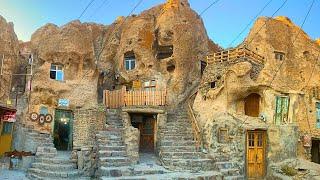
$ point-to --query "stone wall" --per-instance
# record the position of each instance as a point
(86, 123)
(232, 148)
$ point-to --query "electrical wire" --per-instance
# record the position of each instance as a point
(85, 9)
(97, 9)
(252, 20)
(282, 5)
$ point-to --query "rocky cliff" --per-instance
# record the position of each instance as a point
(9, 50)
(168, 41)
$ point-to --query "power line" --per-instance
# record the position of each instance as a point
(104, 46)
(213, 3)
(85, 9)
(97, 9)
(252, 20)
(267, 21)
(304, 20)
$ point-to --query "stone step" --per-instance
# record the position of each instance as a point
(46, 154)
(109, 137)
(177, 143)
(114, 164)
(130, 171)
(54, 167)
(40, 177)
(234, 177)
(111, 148)
(106, 133)
(177, 138)
(52, 160)
(230, 172)
(178, 148)
(189, 164)
(112, 153)
(103, 143)
(59, 174)
(211, 175)
(224, 165)
(114, 161)
(182, 155)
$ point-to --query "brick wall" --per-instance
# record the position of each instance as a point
(87, 122)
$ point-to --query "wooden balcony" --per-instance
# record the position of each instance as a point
(122, 98)
(233, 54)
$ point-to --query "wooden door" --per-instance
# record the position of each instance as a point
(63, 130)
(252, 105)
(256, 143)
(147, 135)
(315, 151)
(5, 137)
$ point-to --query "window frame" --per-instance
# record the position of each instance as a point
(223, 132)
(281, 115)
(278, 55)
(131, 62)
(318, 115)
(152, 85)
(58, 71)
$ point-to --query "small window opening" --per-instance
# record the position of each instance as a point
(279, 55)
(213, 84)
(223, 135)
(129, 61)
(171, 68)
(56, 72)
(150, 85)
(203, 66)
(164, 52)
(44, 110)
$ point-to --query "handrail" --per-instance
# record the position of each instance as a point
(233, 54)
(195, 127)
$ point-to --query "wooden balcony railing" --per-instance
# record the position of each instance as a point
(120, 98)
(233, 54)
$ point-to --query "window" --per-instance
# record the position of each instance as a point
(279, 55)
(150, 85)
(203, 66)
(318, 115)
(44, 110)
(56, 72)
(7, 128)
(213, 84)
(164, 52)
(282, 109)
(223, 135)
(129, 61)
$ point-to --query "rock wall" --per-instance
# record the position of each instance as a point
(9, 55)
(168, 44)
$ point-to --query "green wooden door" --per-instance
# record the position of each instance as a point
(63, 125)
(282, 109)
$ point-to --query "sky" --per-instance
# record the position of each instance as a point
(223, 21)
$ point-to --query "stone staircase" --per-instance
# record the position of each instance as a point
(229, 171)
(111, 149)
(28, 139)
(52, 165)
(177, 147)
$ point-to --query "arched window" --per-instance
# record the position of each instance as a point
(252, 105)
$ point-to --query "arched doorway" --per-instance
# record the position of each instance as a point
(252, 105)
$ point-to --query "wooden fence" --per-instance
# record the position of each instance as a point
(120, 98)
(233, 54)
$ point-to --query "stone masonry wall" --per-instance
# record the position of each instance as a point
(86, 123)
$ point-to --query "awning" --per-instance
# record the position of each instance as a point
(7, 114)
